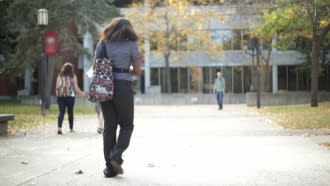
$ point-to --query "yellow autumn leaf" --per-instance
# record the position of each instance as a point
(324, 22)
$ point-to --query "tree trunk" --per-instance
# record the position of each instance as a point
(315, 71)
(167, 74)
(266, 78)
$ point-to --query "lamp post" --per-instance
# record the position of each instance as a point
(254, 42)
(42, 22)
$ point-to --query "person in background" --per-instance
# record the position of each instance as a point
(219, 88)
(98, 108)
(100, 118)
(66, 89)
(120, 41)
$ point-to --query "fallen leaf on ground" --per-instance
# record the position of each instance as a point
(79, 172)
(326, 145)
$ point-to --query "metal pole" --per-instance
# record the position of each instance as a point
(47, 86)
(43, 76)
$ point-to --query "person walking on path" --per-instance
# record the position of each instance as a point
(219, 88)
(66, 89)
(100, 119)
(120, 41)
(98, 108)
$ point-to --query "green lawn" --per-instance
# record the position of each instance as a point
(28, 116)
(299, 116)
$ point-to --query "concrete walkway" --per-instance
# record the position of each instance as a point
(171, 145)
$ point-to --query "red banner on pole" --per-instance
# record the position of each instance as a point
(50, 43)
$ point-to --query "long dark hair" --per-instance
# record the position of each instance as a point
(67, 70)
(119, 29)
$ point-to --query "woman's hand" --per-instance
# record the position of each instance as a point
(76, 87)
(81, 93)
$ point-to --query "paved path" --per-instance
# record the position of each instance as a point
(171, 145)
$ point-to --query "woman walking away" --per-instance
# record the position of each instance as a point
(120, 41)
(66, 87)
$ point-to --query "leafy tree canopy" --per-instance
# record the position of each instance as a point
(289, 20)
(20, 34)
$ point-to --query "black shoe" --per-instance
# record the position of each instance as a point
(59, 131)
(109, 173)
(116, 167)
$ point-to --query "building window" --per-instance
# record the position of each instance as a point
(238, 72)
(154, 76)
(303, 81)
(227, 73)
(181, 42)
(174, 80)
(236, 39)
(222, 37)
(207, 81)
(282, 78)
(247, 78)
(292, 78)
(195, 79)
(229, 39)
(226, 40)
(184, 80)
(323, 78)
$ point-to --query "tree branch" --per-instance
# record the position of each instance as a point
(324, 32)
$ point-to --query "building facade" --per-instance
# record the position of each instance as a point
(193, 70)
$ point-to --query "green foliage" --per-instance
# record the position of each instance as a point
(22, 33)
(292, 19)
(285, 23)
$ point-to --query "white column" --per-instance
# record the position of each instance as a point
(87, 61)
(275, 68)
(147, 52)
(146, 63)
(275, 76)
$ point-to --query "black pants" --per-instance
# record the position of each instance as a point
(63, 103)
(118, 111)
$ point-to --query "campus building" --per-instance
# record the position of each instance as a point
(193, 70)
